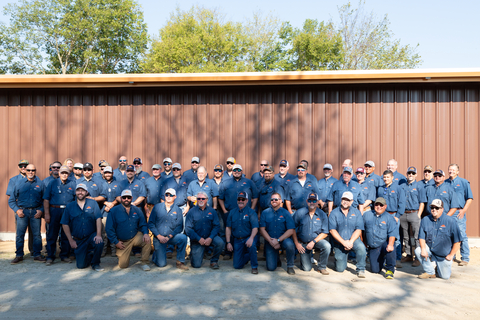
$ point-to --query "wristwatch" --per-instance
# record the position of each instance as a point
(314, 241)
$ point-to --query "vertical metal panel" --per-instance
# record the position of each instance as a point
(416, 124)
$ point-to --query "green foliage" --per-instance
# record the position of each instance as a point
(369, 44)
(73, 36)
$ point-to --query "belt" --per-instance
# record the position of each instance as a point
(126, 240)
(241, 238)
(29, 208)
(392, 212)
(78, 239)
(58, 207)
(410, 211)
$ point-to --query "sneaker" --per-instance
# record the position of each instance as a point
(399, 264)
(71, 258)
(169, 255)
(145, 267)
(416, 263)
(463, 263)
(98, 268)
(407, 259)
(227, 257)
(181, 266)
(389, 275)
(66, 260)
(313, 261)
(49, 262)
(254, 270)
(361, 274)
(427, 276)
(113, 254)
(16, 260)
(39, 259)
(290, 271)
(214, 265)
(323, 271)
(138, 255)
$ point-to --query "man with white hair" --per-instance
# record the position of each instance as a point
(399, 178)
(283, 176)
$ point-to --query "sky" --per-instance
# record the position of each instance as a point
(447, 31)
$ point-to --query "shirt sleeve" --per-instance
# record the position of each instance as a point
(254, 190)
(142, 224)
(216, 225)
(47, 195)
(143, 191)
(189, 227)
(332, 221)
(152, 220)
(110, 228)
(468, 190)
(96, 210)
(221, 190)
(12, 201)
(253, 219)
(289, 220)
(65, 217)
(359, 225)
(401, 202)
(392, 228)
(421, 231)
(229, 218)
(324, 218)
(262, 223)
(179, 222)
(190, 190)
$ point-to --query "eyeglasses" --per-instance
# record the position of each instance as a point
(263, 165)
(176, 169)
(77, 169)
(136, 163)
(126, 197)
(274, 199)
(64, 172)
(300, 170)
(345, 199)
(228, 162)
(155, 169)
(282, 166)
(312, 201)
(435, 208)
(218, 170)
(201, 199)
(411, 173)
(237, 170)
(241, 199)
(195, 162)
(359, 173)
(379, 205)
(427, 171)
(55, 168)
(437, 175)
(31, 170)
(167, 163)
(169, 195)
(86, 169)
(122, 160)
(23, 166)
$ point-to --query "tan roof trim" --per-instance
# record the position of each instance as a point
(240, 78)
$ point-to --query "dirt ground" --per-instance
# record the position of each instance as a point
(34, 291)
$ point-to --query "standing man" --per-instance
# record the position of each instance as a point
(442, 191)
(369, 192)
(120, 173)
(266, 188)
(166, 224)
(277, 227)
(95, 189)
(439, 238)
(398, 178)
(54, 167)
(180, 185)
(26, 201)
(153, 185)
(126, 227)
(465, 198)
(229, 163)
(381, 231)
(325, 185)
(348, 163)
(346, 225)
(135, 185)
(82, 224)
(102, 164)
(258, 176)
(202, 228)
(334, 198)
(22, 168)
(205, 185)
(242, 224)
(77, 172)
(283, 176)
(167, 168)
(412, 216)
(139, 173)
(298, 189)
(58, 195)
(111, 188)
(427, 179)
(192, 174)
(370, 176)
(311, 231)
(218, 177)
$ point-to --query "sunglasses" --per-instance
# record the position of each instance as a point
(275, 199)
(263, 165)
(359, 172)
(237, 170)
(122, 160)
(283, 166)
(345, 199)
(241, 199)
(136, 163)
(437, 175)
(411, 173)
(435, 208)
(201, 199)
(169, 195)
(31, 170)
(167, 163)
(126, 197)
(155, 169)
(379, 205)
(300, 170)
(176, 169)
(63, 172)
(77, 168)
(56, 168)
(229, 162)
(23, 166)
(427, 171)
(87, 169)
(195, 162)
(312, 201)
(218, 170)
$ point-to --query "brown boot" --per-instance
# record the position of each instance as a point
(16, 260)
(426, 276)
(181, 266)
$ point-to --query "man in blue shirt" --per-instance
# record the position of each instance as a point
(27, 203)
(268, 186)
(283, 176)
(177, 182)
(95, 190)
(465, 198)
(54, 167)
(334, 199)
(202, 227)
(398, 178)
(192, 173)
(77, 172)
(370, 176)
(126, 227)
(242, 225)
(111, 188)
(153, 185)
(22, 168)
(325, 185)
(439, 241)
(426, 181)
(202, 183)
(82, 223)
(381, 232)
(139, 173)
(299, 188)
(311, 231)
(443, 191)
(58, 194)
(167, 168)
(368, 190)
(257, 177)
(277, 228)
(135, 185)
(229, 165)
(120, 173)
(166, 225)
(99, 176)
(412, 217)
(346, 225)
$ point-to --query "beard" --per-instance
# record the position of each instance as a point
(138, 170)
(122, 166)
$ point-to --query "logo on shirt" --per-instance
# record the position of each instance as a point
(393, 191)
(353, 188)
(37, 186)
(383, 222)
(444, 191)
(280, 217)
(89, 207)
(309, 185)
(318, 218)
(458, 185)
(136, 185)
(414, 189)
(174, 212)
(442, 226)
(353, 215)
(209, 213)
(69, 188)
(94, 185)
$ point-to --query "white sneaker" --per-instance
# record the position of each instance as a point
(98, 268)
(145, 267)
(312, 259)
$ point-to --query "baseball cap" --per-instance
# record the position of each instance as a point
(126, 192)
(284, 163)
(156, 166)
(348, 195)
(107, 169)
(23, 161)
(88, 165)
(81, 186)
(312, 196)
(237, 166)
(381, 200)
(360, 169)
(428, 167)
(327, 166)
(269, 168)
(171, 191)
(196, 159)
(167, 160)
(78, 165)
(302, 165)
(103, 163)
(370, 163)
(231, 159)
(130, 167)
(64, 169)
(242, 194)
(218, 166)
(437, 203)
(177, 165)
(412, 169)
(137, 160)
(439, 172)
(348, 169)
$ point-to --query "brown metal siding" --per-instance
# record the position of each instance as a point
(417, 124)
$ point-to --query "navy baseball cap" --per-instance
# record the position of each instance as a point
(130, 167)
(312, 196)
(88, 165)
(137, 160)
(242, 194)
(284, 163)
(439, 172)
(412, 169)
(348, 169)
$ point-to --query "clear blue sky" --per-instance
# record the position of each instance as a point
(446, 31)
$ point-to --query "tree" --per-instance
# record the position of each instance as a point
(369, 44)
(198, 40)
(73, 36)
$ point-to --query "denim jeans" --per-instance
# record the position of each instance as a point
(324, 247)
(380, 257)
(444, 268)
(398, 242)
(159, 256)
(22, 224)
(272, 256)
(462, 225)
(198, 251)
(242, 254)
(54, 227)
(88, 252)
(341, 256)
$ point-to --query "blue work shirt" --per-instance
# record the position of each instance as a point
(256, 177)
(265, 191)
(165, 222)
(136, 186)
(340, 187)
(119, 175)
(208, 186)
(123, 226)
(94, 187)
(58, 193)
(82, 223)
(374, 179)
(242, 222)
(422, 185)
(443, 192)
(324, 186)
(285, 180)
(98, 176)
(395, 197)
(309, 228)
(202, 223)
(440, 235)
(462, 190)
(412, 195)
(230, 188)
(190, 175)
(345, 225)
(27, 194)
(153, 188)
(180, 189)
(164, 174)
(12, 182)
(379, 228)
(368, 191)
(297, 194)
(276, 223)
(399, 178)
(47, 181)
(143, 176)
(111, 189)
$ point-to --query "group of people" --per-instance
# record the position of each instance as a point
(359, 215)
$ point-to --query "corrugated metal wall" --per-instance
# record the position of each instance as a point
(415, 124)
